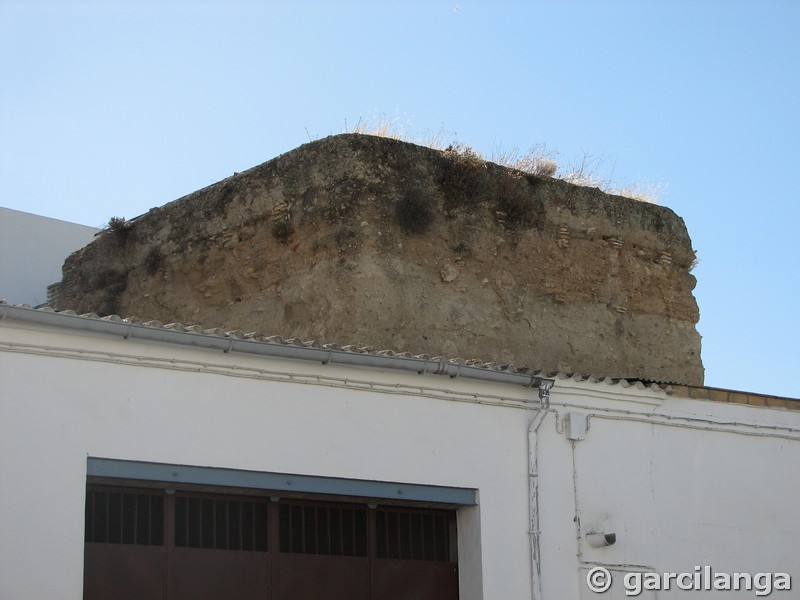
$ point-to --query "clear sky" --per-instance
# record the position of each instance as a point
(112, 108)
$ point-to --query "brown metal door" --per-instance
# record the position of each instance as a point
(123, 572)
(124, 555)
(196, 574)
(218, 548)
(414, 555)
(323, 551)
(148, 544)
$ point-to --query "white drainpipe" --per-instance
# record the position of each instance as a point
(533, 487)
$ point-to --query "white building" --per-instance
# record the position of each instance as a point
(32, 250)
(150, 461)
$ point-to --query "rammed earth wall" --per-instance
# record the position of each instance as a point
(363, 240)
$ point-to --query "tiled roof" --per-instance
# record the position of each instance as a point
(732, 396)
(446, 364)
(276, 340)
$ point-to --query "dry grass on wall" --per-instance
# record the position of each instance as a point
(538, 160)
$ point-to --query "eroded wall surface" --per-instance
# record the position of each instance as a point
(370, 241)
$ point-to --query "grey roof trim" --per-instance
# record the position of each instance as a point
(177, 475)
(276, 346)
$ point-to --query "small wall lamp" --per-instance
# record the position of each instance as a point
(598, 540)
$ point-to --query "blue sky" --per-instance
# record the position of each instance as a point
(112, 108)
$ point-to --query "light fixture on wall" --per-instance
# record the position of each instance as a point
(598, 540)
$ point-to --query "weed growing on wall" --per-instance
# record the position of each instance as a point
(120, 228)
(119, 225)
(464, 173)
(539, 160)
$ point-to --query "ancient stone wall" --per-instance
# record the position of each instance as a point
(370, 241)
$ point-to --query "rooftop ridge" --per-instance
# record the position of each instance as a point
(672, 389)
(277, 340)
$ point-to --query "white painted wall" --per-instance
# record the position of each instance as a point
(682, 482)
(32, 251)
(56, 411)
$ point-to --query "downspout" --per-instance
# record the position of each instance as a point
(533, 487)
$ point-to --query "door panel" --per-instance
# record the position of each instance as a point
(198, 574)
(414, 580)
(149, 545)
(314, 577)
(123, 572)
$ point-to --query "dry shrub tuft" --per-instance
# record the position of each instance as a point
(639, 191)
(537, 161)
(465, 163)
(119, 225)
(282, 231)
(381, 126)
(464, 174)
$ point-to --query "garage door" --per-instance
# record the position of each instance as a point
(147, 544)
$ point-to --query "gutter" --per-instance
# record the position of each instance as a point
(237, 342)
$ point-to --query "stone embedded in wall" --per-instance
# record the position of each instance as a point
(363, 240)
